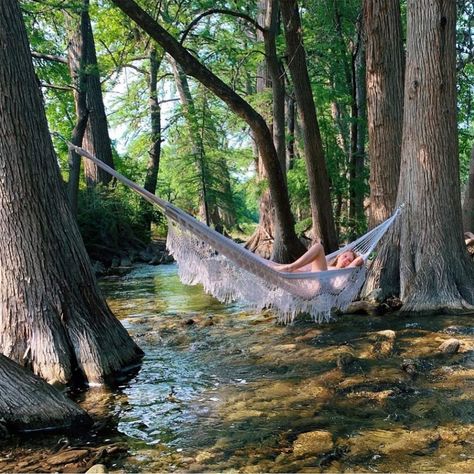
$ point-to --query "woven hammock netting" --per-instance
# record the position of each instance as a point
(230, 272)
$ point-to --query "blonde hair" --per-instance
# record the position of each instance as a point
(333, 263)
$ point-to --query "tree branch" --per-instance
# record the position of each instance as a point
(223, 11)
(49, 57)
(59, 88)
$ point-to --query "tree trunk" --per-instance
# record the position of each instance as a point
(290, 124)
(286, 245)
(77, 62)
(261, 241)
(96, 139)
(435, 271)
(52, 316)
(153, 164)
(321, 206)
(276, 79)
(384, 77)
(468, 205)
(28, 403)
(197, 141)
(356, 185)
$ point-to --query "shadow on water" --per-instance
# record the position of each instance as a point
(223, 389)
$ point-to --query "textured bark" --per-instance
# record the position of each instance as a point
(153, 165)
(318, 180)
(52, 316)
(28, 403)
(358, 134)
(435, 271)
(276, 76)
(261, 241)
(384, 77)
(96, 139)
(77, 62)
(290, 125)
(286, 245)
(468, 204)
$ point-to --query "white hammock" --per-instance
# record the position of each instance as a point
(230, 272)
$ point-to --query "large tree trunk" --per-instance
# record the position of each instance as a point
(435, 271)
(77, 62)
(468, 204)
(261, 241)
(286, 245)
(318, 179)
(153, 165)
(28, 403)
(384, 77)
(96, 139)
(52, 316)
(277, 80)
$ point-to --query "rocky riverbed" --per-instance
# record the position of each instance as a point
(222, 389)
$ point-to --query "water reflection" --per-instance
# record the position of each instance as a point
(221, 389)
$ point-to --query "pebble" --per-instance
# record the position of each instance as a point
(313, 442)
(97, 469)
(409, 366)
(451, 346)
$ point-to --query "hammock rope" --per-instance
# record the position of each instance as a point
(230, 272)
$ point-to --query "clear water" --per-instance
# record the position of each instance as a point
(222, 389)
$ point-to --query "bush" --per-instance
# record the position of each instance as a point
(111, 222)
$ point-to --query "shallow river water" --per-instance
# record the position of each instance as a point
(223, 389)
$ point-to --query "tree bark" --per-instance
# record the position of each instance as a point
(96, 139)
(435, 272)
(320, 198)
(356, 185)
(468, 204)
(261, 241)
(153, 165)
(28, 403)
(384, 78)
(276, 76)
(77, 62)
(53, 318)
(290, 111)
(286, 245)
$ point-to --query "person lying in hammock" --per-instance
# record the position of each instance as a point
(314, 260)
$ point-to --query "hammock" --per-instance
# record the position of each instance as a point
(230, 272)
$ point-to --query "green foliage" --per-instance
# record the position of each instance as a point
(209, 151)
(110, 220)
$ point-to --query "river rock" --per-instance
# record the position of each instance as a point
(384, 343)
(451, 346)
(345, 359)
(409, 366)
(392, 442)
(97, 469)
(313, 442)
(67, 457)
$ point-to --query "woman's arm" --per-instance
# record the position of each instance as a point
(357, 262)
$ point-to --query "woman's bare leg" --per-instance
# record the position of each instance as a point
(315, 256)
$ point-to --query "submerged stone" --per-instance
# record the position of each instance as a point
(451, 346)
(313, 442)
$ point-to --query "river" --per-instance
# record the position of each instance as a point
(224, 389)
